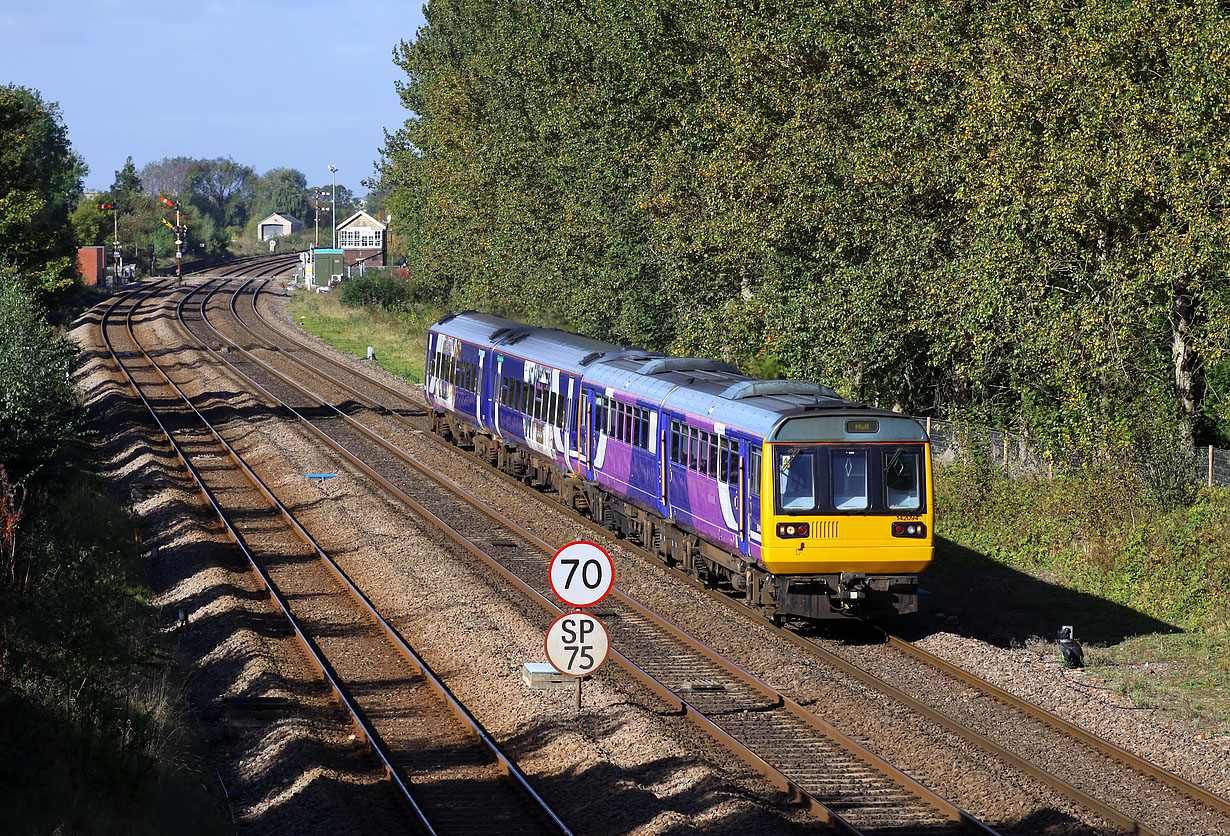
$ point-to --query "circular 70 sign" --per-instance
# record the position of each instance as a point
(581, 574)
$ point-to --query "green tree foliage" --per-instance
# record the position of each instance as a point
(220, 189)
(38, 411)
(127, 188)
(1011, 211)
(166, 177)
(279, 190)
(40, 179)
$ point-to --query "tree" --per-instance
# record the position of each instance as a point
(1009, 212)
(40, 180)
(126, 188)
(220, 188)
(166, 177)
(38, 413)
(280, 190)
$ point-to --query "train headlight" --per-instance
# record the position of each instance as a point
(909, 529)
(793, 530)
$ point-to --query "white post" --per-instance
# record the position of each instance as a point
(333, 203)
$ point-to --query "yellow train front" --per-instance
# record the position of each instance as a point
(848, 516)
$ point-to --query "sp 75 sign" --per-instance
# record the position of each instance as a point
(577, 644)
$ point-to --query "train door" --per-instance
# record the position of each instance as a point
(679, 455)
(739, 475)
(482, 392)
(584, 444)
(662, 428)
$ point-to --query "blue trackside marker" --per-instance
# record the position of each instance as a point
(321, 476)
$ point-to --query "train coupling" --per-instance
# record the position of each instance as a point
(852, 586)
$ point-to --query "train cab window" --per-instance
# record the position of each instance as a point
(753, 475)
(796, 482)
(902, 485)
(849, 469)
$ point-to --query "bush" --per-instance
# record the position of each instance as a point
(379, 289)
(38, 411)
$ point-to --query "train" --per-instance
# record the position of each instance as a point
(800, 504)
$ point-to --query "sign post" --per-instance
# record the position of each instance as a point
(577, 643)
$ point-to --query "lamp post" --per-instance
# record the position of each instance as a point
(333, 207)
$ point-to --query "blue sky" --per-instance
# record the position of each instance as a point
(168, 79)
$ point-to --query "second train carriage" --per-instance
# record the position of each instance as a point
(806, 504)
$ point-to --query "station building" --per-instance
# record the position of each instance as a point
(362, 240)
(279, 223)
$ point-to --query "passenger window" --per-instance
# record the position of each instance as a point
(901, 481)
(796, 483)
(753, 475)
(849, 479)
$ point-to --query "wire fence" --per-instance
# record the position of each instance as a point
(1017, 456)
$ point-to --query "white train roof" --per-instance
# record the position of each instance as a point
(777, 410)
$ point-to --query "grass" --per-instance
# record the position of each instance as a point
(1185, 674)
(400, 340)
(1146, 587)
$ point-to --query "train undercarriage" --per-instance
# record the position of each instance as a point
(776, 597)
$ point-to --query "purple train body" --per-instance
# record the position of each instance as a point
(666, 451)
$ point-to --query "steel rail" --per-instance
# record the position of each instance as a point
(262, 264)
(358, 719)
(776, 776)
(472, 723)
(362, 725)
(1074, 794)
(1149, 769)
(466, 717)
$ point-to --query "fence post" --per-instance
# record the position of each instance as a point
(1210, 465)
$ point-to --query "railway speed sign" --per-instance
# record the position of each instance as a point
(581, 574)
(577, 644)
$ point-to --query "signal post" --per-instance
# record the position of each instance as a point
(116, 255)
(181, 232)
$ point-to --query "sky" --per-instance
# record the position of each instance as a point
(256, 80)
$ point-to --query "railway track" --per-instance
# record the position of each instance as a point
(254, 267)
(1071, 761)
(427, 741)
(837, 778)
